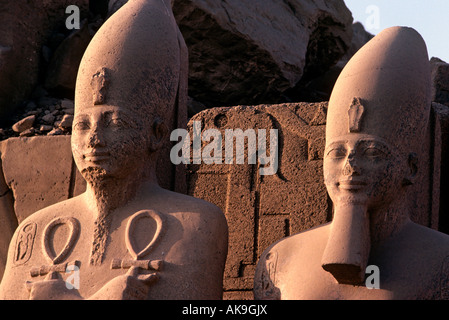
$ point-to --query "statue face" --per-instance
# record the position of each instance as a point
(362, 169)
(108, 142)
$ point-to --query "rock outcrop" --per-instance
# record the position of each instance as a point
(49, 116)
(242, 51)
(440, 81)
(26, 27)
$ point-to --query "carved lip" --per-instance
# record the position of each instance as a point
(352, 185)
(96, 156)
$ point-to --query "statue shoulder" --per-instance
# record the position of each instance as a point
(209, 217)
(59, 209)
(266, 277)
(443, 274)
(21, 250)
(195, 209)
(277, 260)
(28, 230)
(265, 285)
(201, 220)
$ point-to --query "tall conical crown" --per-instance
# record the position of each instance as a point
(138, 60)
(384, 90)
(134, 61)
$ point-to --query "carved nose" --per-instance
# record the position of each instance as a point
(95, 140)
(351, 168)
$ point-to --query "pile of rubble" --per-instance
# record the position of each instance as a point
(47, 116)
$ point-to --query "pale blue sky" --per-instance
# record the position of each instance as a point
(429, 17)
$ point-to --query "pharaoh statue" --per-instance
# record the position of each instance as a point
(377, 118)
(125, 237)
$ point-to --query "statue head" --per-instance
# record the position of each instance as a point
(126, 92)
(377, 120)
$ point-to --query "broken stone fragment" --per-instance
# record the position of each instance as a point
(45, 128)
(33, 112)
(27, 133)
(48, 118)
(66, 121)
(69, 111)
(24, 124)
(67, 104)
(55, 132)
(46, 102)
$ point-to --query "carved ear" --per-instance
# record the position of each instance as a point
(412, 169)
(159, 132)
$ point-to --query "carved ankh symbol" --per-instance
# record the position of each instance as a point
(131, 245)
(57, 259)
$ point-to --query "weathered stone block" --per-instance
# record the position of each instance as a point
(440, 122)
(440, 81)
(8, 220)
(39, 171)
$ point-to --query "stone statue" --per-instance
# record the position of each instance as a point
(377, 119)
(125, 237)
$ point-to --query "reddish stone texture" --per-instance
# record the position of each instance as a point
(440, 81)
(48, 177)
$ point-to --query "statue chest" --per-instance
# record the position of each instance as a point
(87, 254)
(383, 282)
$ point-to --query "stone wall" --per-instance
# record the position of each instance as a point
(262, 209)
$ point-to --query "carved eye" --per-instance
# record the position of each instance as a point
(82, 125)
(337, 153)
(373, 152)
(116, 123)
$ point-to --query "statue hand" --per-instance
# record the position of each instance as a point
(130, 286)
(53, 287)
